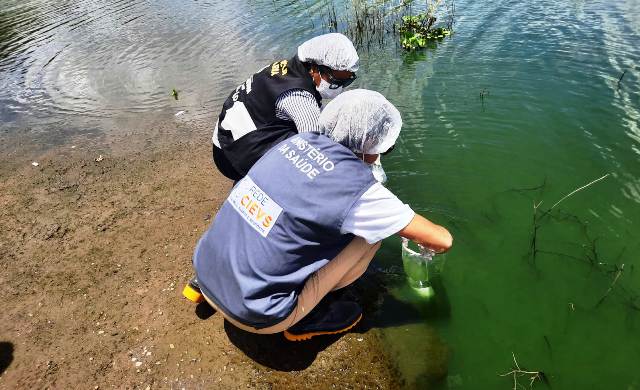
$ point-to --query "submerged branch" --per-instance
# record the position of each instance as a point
(620, 79)
(578, 190)
(517, 372)
(590, 255)
(615, 280)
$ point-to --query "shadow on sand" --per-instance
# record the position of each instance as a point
(204, 310)
(381, 310)
(273, 351)
(276, 352)
(6, 355)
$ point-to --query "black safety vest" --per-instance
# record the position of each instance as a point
(247, 126)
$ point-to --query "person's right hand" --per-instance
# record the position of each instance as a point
(428, 234)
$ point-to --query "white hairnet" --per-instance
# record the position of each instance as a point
(362, 120)
(333, 50)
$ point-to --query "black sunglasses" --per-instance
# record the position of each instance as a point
(388, 150)
(334, 82)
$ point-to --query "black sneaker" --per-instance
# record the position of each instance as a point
(329, 317)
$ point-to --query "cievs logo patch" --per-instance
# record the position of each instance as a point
(255, 206)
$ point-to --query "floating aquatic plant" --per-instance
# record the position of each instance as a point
(369, 22)
(416, 31)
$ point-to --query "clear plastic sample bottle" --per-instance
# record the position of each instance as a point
(420, 265)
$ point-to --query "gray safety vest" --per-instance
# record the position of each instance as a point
(279, 225)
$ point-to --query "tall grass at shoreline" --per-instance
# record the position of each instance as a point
(375, 23)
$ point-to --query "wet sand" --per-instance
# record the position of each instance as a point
(94, 257)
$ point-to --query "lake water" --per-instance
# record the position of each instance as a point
(522, 104)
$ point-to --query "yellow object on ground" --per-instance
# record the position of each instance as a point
(192, 294)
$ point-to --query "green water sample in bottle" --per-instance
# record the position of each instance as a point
(420, 265)
(417, 271)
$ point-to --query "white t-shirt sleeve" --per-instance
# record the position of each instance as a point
(377, 215)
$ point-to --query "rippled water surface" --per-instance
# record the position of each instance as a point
(553, 116)
(77, 67)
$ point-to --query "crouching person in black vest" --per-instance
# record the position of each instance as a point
(307, 220)
(280, 100)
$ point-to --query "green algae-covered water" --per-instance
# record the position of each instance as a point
(553, 118)
(524, 103)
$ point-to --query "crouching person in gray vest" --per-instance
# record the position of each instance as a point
(307, 220)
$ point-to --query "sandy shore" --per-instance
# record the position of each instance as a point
(94, 256)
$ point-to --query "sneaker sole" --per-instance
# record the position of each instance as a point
(307, 336)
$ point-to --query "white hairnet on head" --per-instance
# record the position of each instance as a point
(333, 50)
(362, 120)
